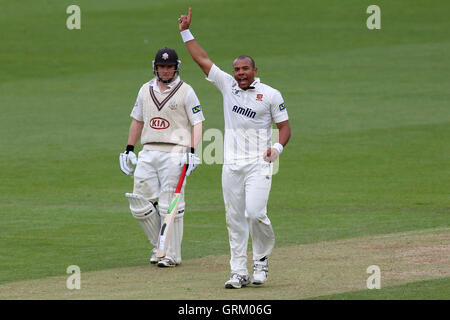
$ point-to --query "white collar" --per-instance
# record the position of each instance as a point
(171, 85)
(254, 83)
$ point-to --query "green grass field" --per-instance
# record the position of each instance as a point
(369, 111)
(429, 289)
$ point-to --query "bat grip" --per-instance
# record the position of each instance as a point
(181, 180)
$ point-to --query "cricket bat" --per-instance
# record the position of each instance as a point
(166, 227)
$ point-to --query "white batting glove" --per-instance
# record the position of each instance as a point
(127, 160)
(272, 154)
(192, 161)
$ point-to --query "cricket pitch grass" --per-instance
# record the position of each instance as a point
(296, 272)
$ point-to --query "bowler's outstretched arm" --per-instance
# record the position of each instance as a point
(198, 54)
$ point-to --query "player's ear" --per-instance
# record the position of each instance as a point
(256, 70)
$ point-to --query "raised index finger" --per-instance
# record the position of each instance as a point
(190, 13)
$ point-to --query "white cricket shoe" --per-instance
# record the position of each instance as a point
(153, 258)
(260, 271)
(237, 281)
(166, 263)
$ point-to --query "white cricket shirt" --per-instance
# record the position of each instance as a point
(249, 115)
(167, 115)
(191, 102)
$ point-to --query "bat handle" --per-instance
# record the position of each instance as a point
(181, 180)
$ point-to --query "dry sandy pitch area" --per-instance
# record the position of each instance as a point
(296, 272)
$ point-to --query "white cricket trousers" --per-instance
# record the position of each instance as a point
(246, 189)
(156, 178)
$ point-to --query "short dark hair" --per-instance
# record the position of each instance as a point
(247, 57)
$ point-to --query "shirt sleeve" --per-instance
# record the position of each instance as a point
(277, 108)
(193, 108)
(137, 112)
(219, 78)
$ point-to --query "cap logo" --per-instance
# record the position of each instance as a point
(165, 56)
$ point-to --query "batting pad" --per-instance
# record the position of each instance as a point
(176, 237)
(147, 215)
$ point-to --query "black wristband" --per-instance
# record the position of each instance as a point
(129, 148)
(192, 150)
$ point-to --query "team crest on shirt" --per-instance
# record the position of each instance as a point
(172, 105)
(259, 97)
(282, 107)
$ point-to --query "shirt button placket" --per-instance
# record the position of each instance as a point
(245, 99)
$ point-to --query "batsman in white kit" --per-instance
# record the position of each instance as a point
(167, 117)
(250, 109)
